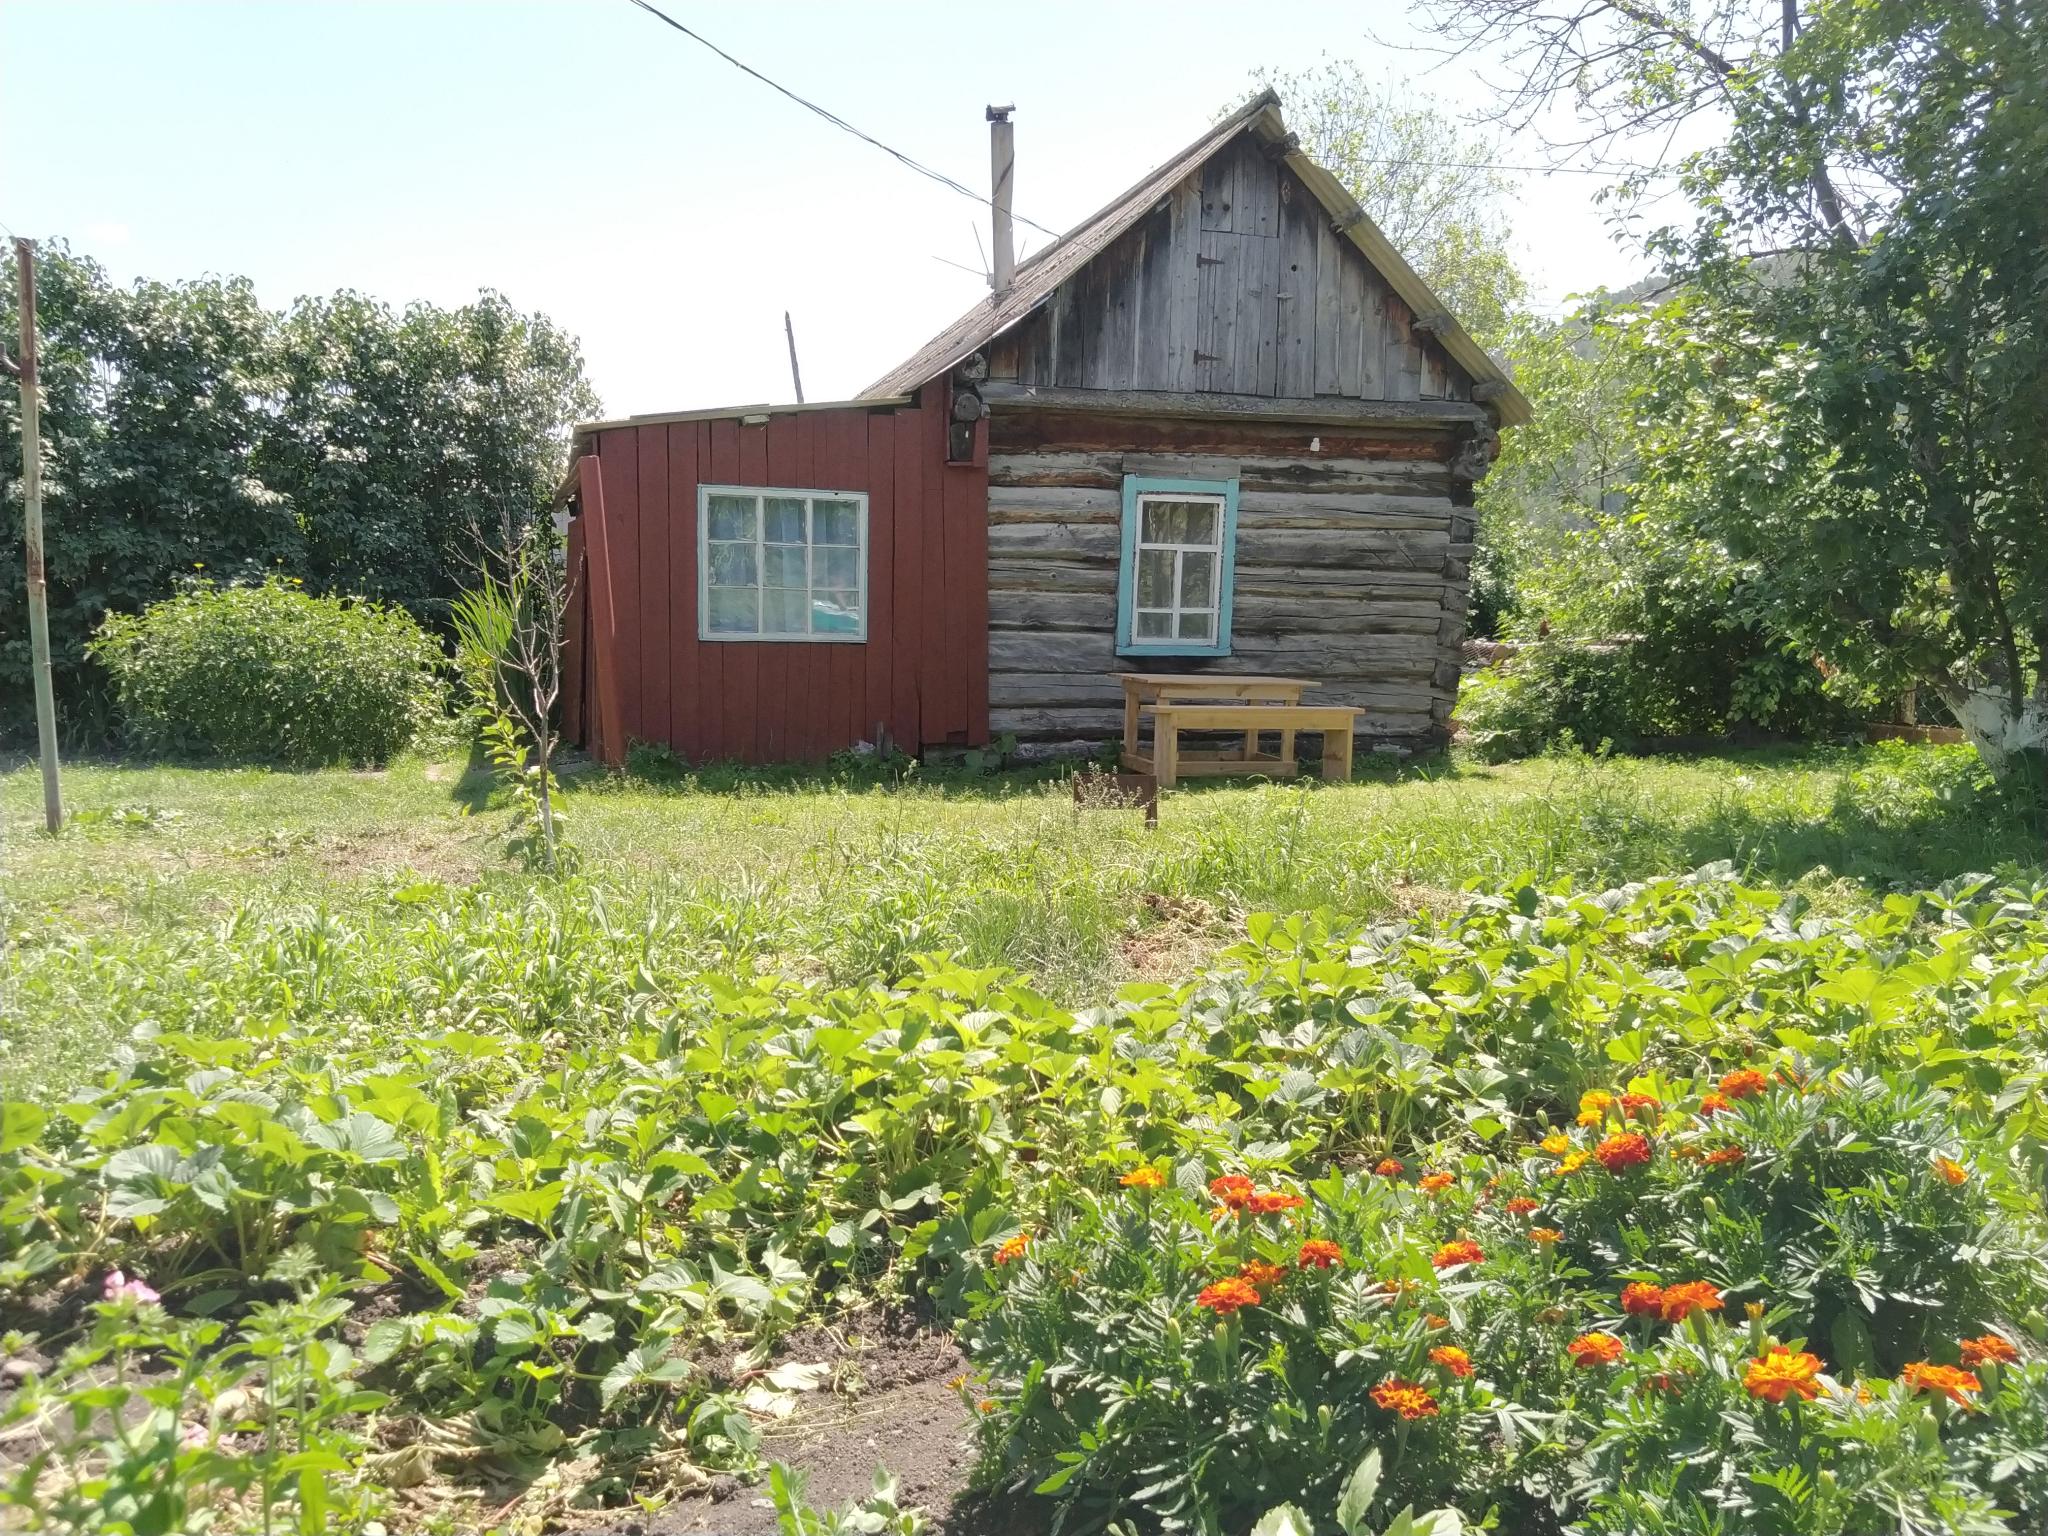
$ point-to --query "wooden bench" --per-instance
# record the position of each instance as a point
(1169, 762)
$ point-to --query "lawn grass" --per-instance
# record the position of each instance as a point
(844, 876)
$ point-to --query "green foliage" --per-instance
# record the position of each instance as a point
(188, 428)
(270, 672)
(506, 632)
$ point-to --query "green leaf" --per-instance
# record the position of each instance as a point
(1360, 1489)
(1283, 1520)
(21, 1125)
(359, 1134)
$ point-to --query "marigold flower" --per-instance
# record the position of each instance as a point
(1270, 1202)
(1521, 1205)
(1591, 1349)
(1590, 1117)
(1146, 1177)
(1228, 1294)
(1463, 1251)
(1452, 1359)
(1950, 1171)
(1722, 1157)
(1388, 1168)
(1319, 1253)
(1234, 1190)
(1780, 1373)
(1399, 1288)
(1258, 1272)
(1688, 1297)
(1989, 1349)
(1014, 1249)
(1574, 1161)
(1435, 1320)
(1545, 1236)
(1597, 1101)
(1557, 1144)
(1640, 1103)
(1744, 1083)
(1639, 1299)
(1629, 1149)
(1435, 1183)
(1713, 1104)
(1409, 1399)
(1669, 1382)
(987, 1405)
(1950, 1382)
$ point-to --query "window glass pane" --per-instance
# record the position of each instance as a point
(835, 613)
(732, 517)
(1197, 581)
(782, 613)
(732, 565)
(782, 565)
(835, 522)
(785, 519)
(730, 610)
(1178, 522)
(1155, 626)
(1198, 626)
(1155, 578)
(832, 566)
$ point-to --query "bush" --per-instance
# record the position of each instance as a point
(272, 672)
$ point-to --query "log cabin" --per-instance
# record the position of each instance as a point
(1221, 426)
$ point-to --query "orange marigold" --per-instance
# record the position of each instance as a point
(1629, 1149)
(1234, 1190)
(1146, 1177)
(1435, 1320)
(1713, 1104)
(1591, 1349)
(987, 1405)
(1639, 1299)
(1463, 1251)
(1521, 1205)
(1744, 1083)
(1319, 1253)
(1950, 1382)
(1989, 1349)
(1435, 1183)
(1409, 1399)
(1259, 1272)
(1269, 1202)
(1228, 1294)
(1014, 1249)
(1452, 1359)
(1545, 1235)
(1687, 1297)
(1557, 1144)
(1951, 1171)
(1782, 1372)
(1639, 1103)
(1388, 1168)
(1722, 1157)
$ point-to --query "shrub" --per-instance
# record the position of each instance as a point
(272, 672)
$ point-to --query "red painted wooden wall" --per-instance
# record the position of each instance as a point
(922, 673)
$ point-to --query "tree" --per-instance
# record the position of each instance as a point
(1423, 179)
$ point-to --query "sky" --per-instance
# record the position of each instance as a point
(588, 162)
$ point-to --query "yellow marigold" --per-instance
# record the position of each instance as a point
(1591, 1349)
(1687, 1297)
(1319, 1253)
(1574, 1161)
(1146, 1177)
(1557, 1144)
(1258, 1272)
(1452, 1359)
(1989, 1349)
(1435, 1183)
(1744, 1083)
(1227, 1295)
(1590, 1117)
(1014, 1249)
(1950, 1382)
(1545, 1235)
(1950, 1171)
(1629, 1149)
(1521, 1205)
(1462, 1251)
(1409, 1399)
(1597, 1102)
(1782, 1372)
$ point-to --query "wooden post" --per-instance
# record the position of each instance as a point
(32, 520)
(789, 330)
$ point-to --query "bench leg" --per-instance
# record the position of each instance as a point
(1337, 754)
(1165, 752)
(1287, 746)
(1251, 745)
(1130, 722)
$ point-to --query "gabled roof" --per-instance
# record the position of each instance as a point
(1038, 276)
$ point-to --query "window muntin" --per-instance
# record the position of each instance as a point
(1178, 555)
(777, 564)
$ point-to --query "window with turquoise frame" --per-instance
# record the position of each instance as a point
(1179, 557)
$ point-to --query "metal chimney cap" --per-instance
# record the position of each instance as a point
(1000, 114)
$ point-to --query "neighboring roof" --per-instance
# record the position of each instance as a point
(1038, 276)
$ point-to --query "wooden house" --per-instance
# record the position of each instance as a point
(1221, 426)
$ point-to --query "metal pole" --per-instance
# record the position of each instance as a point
(789, 330)
(32, 519)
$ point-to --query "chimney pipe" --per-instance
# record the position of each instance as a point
(1002, 162)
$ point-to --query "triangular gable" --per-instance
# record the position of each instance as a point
(1255, 134)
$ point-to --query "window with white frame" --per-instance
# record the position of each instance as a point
(1178, 557)
(781, 564)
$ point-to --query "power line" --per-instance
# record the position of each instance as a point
(836, 120)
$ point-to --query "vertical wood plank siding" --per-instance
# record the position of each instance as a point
(922, 672)
(1234, 283)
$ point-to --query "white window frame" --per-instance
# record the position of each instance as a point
(1218, 608)
(809, 496)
